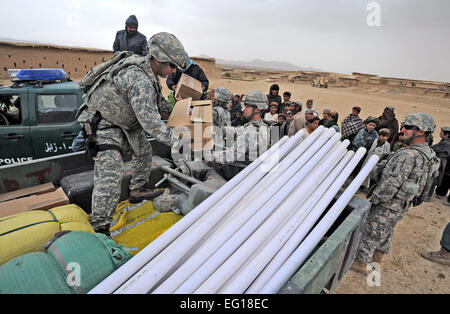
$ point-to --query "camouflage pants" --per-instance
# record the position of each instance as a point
(108, 171)
(378, 231)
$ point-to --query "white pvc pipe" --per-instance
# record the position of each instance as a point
(121, 275)
(296, 204)
(244, 211)
(148, 276)
(227, 249)
(295, 155)
(232, 244)
(293, 242)
(227, 269)
(303, 151)
(302, 252)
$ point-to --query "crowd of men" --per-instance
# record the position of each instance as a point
(123, 99)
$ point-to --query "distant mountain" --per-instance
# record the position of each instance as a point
(262, 64)
(22, 41)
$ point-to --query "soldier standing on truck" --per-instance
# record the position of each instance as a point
(122, 99)
(401, 180)
(250, 140)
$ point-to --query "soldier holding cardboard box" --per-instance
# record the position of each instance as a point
(192, 70)
(122, 99)
(250, 140)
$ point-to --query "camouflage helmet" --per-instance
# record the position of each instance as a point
(165, 47)
(223, 94)
(422, 121)
(256, 98)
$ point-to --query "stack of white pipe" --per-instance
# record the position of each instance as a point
(256, 230)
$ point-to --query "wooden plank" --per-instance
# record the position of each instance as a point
(38, 189)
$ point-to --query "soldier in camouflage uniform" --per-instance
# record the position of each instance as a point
(221, 114)
(122, 100)
(401, 180)
(249, 141)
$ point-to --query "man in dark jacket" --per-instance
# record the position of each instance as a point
(274, 95)
(238, 119)
(130, 39)
(442, 150)
(389, 121)
(235, 106)
(194, 71)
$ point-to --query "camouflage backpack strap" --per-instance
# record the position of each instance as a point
(91, 77)
(429, 174)
(377, 171)
(433, 161)
(141, 63)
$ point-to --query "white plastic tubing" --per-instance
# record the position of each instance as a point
(260, 194)
(222, 253)
(302, 230)
(295, 205)
(233, 263)
(163, 263)
(311, 241)
(121, 275)
(256, 230)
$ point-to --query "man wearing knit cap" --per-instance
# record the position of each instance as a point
(129, 39)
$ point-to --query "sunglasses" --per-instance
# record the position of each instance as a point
(409, 127)
(173, 66)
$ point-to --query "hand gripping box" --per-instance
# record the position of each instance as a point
(189, 87)
(194, 120)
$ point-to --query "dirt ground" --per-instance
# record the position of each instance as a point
(404, 270)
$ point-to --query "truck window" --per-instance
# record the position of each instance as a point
(10, 110)
(56, 109)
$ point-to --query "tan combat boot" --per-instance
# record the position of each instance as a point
(442, 256)
(359, 267)
(138, 195)
(378, 257)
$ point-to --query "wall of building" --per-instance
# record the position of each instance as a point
(75, 61)
(208, 66)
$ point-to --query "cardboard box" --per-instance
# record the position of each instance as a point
(38, 201)
(37, 189)
(194, 119)
(189, 87)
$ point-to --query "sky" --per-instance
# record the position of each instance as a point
(395, 38)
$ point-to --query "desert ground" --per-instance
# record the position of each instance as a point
(404, 270)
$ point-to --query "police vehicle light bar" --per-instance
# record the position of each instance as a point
(40, 74)
(12, 73)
